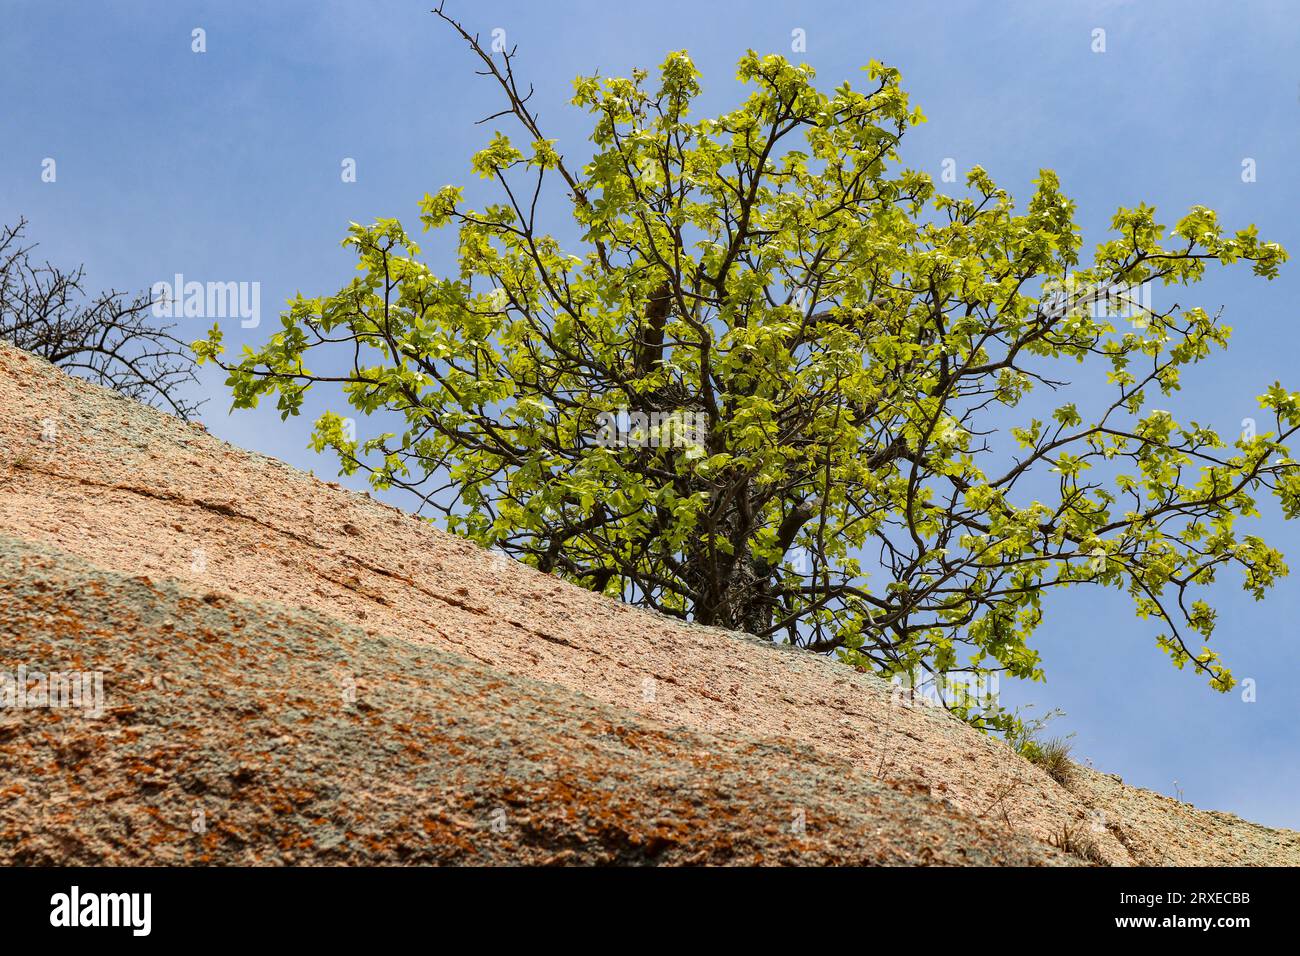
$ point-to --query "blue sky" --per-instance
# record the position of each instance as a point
(225, 166)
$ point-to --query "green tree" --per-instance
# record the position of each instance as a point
(771, 382)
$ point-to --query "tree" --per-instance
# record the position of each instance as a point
(107, 339)
(773, 383)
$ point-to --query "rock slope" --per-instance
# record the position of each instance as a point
(239, 732)
(357, 686)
